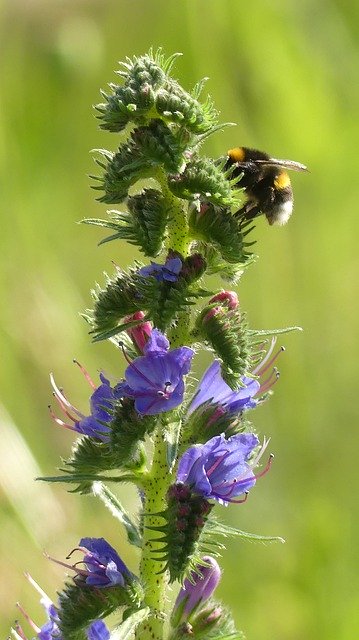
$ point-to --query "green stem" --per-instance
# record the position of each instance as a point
(158, 479)
(154, 579)
(177, 228)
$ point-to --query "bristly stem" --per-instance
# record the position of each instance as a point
(154, 579)
(177, 229)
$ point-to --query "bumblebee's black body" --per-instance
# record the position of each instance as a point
(266, 183)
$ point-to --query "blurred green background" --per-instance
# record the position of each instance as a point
(286, 71)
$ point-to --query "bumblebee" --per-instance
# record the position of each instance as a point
(266, 184)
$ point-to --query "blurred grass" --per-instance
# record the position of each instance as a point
(287, 73)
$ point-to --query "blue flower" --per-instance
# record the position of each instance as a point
(155, 380)
(96, 425)
(221, 469)
(50, 629)
(104, 567)
(167, 272)
(212, 388)
(98, 631)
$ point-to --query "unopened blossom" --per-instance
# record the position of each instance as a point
(222, 469)
(141, 332)
(226, 298)
(196, 590)
(155, 380)
(167, 272)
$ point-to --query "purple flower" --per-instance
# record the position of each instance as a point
(155, 380)
(104, 567)
(196, 590)
(96, 425)
(220, 469)
(167, 272)
(50, 629)
(212, 388)
(98, 631)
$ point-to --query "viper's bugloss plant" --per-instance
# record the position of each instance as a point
(187, 222)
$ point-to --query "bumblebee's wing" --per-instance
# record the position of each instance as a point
(287, 164)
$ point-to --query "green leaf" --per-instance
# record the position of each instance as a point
(114, 505)
(273, 332)
(172, 434)
(126, 629)
(218, 528)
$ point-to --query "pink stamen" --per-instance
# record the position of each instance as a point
(37, 587)
(262, 370)
(142, 375)
(81, 572)
(30, 621)
(216, 464)
(18, 632)
(60, 395)
(59, 421)
(241, 500)
(86, 374)
(266, 357)
(63, 408)
(266, 468)
(268, 384)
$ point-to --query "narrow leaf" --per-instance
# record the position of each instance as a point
(114, 505)
(125, 630)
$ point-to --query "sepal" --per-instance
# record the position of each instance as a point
(226, 333)
(144, 225)
(213, 622)
(79, 605)
(147, 149)
(133, 101)
(119, 298)
(177, 106)
(129, 428)
(201, 180)
(218, 227)
(210, 420)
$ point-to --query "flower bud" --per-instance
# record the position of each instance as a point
(196, 590)
(226, 298)
(139, 334)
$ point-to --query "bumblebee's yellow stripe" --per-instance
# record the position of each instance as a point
(282, 180)
(237, 154)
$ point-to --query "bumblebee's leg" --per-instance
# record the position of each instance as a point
(249, 211)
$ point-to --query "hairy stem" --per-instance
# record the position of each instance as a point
(153, 578)
(177, 238)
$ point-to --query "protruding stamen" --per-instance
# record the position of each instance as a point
(59, 421)
(86, 374)
(42, 593)
(63, 407)
(262, 369)
(270, 382)
(27, 617)
(18, 632)
(81, 572)
(266, 357)
(241, 500)
(60, 395)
